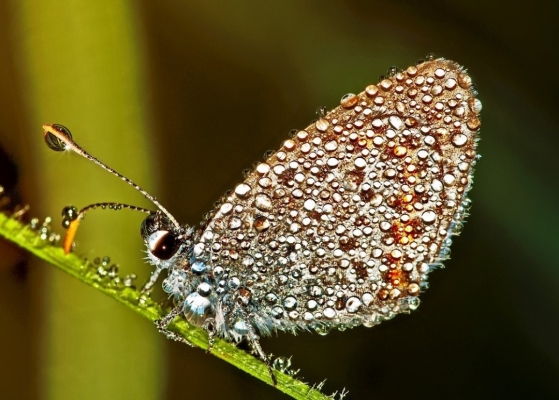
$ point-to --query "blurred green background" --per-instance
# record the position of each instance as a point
(182, 96)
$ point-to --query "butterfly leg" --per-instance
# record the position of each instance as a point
(209, 326)
(162, 324)
(255, 344)
(152, 280)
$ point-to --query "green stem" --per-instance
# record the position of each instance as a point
(25, 237)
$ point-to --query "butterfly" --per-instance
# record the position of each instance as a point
(338, 228)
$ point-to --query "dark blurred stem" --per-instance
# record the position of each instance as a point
(25, 237)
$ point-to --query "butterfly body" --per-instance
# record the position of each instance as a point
(342, 225)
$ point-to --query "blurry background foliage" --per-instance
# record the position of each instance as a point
(182, 96)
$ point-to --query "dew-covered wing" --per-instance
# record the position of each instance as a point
(342, 225)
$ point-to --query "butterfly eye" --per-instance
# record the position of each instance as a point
(149, 226)
(163, 244)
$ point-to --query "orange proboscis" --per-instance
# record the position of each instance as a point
(70, 235)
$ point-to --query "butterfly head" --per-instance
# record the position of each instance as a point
(163, 240)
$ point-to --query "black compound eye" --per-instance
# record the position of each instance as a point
(163, 244)
(149, 226)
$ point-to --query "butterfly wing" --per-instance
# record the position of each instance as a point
(341, 226)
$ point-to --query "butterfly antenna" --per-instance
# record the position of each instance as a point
(59, 138)
(71, 218)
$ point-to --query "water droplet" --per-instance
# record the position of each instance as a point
(263, 168)
(332, 145)
(464, 81)
(450, 84)
(277, 312)
(242, 190)
(263, 202)
(386, 84)
(289, 145)
(234, 283)
(312, 305)
(396, 254)
(204, 289)
(322, 125)
(353, 304)
(436, 185)
(413, 289)
(271, 298)
(349, 101)
(309, 204)
(235, 223)
(316, 291)
(459, 140)
(226, 208)
(322, 330)
(429, 217)
(332, 162)
(53, 142)
(143, 300)
(473, 124)
(198, 267)
(112, 271)
(329, 313)
(371, 90)
(367, 299)
(129, 280)
(440, 73)
(281, 364)
(449, 179)
(475, 105)
(393, 70)
(400, 151)
(290, 303)
(69, 213)
(396, 122)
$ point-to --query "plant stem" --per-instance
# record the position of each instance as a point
(27, 238)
